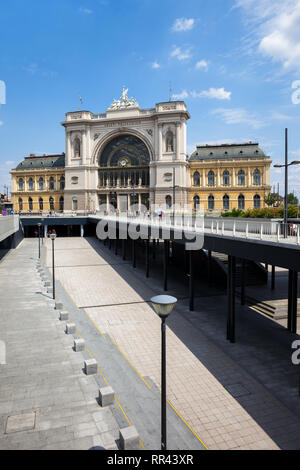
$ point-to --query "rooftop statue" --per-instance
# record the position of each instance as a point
(124, 102)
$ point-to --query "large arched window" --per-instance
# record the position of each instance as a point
(226, 202)
(20, 204)
(51, 183)
(21, 184)
(226, 178)
(241, 178)
(41, 204)
(196, 202)
(41, 183)
(256, 176)
(211, 202)
(168, 202)
(169, 142)
(256, 201)
(241, 202)
(51, 203)
(30, 184)
(196, 178)
(211, 178)
(30, 204)
(61, 203)
(77, 148)
(74, 203)
(62, 182)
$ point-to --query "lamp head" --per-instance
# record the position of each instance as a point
(39, 224)
(163, 305)
(52, 236)
(295, 162)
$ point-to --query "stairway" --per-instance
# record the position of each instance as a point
(255, 273)
(275, 309)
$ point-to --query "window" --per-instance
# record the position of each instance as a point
(211, 178)
(169, 142)
(30, 204)
(226, 178)
(51, 183)
(75, 204)
(20, 204)
(211, 202)
(256, 200)
(241, 178)
(196, 178)
(51, 203)
(21, 184)
(256, 176)
(30, 184)
(41, 183)
(41, 203)
(241, 202)
(168, 202)
(226, 202)
(196, 203)
(77, 148)
(62, 182)
(61, 203)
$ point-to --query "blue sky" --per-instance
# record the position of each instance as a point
(234, 62)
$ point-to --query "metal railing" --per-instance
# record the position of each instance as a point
(269, 231)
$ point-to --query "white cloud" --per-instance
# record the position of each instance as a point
(279, 116)
(9, 162)
(275, 24)
(155, 65)
(295, 153)
(181, 96)
(239, 116)
(183, 24)
(1, 123)
(213, 93)
(202, 64)
(181, 54)
(86, 11)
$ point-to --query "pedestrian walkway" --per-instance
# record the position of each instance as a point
(224, 405)
(46, 401)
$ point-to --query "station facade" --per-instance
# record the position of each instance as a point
(130, 155)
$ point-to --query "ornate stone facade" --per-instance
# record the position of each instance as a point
(126, 155)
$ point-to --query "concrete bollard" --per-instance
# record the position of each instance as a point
(129, 438)
(70, 328)
(106, 396)
(90, 366)
(64, 315)
(79, 345)
(58, 306)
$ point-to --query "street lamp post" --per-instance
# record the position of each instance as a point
(39, 226)
(285, 166)
(53, 237)
(174, 187)
(163, 305)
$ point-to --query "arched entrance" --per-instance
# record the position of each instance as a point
(124, 173)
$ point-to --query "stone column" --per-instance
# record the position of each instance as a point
(204, 178)
(233, 177)
(178, 130)
(249, 176)
(83, 149)
(107, 201)
(219, 178)
(68, 148)
(160, 141)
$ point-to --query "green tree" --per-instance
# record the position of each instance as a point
(293, 200)
(271, 199)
